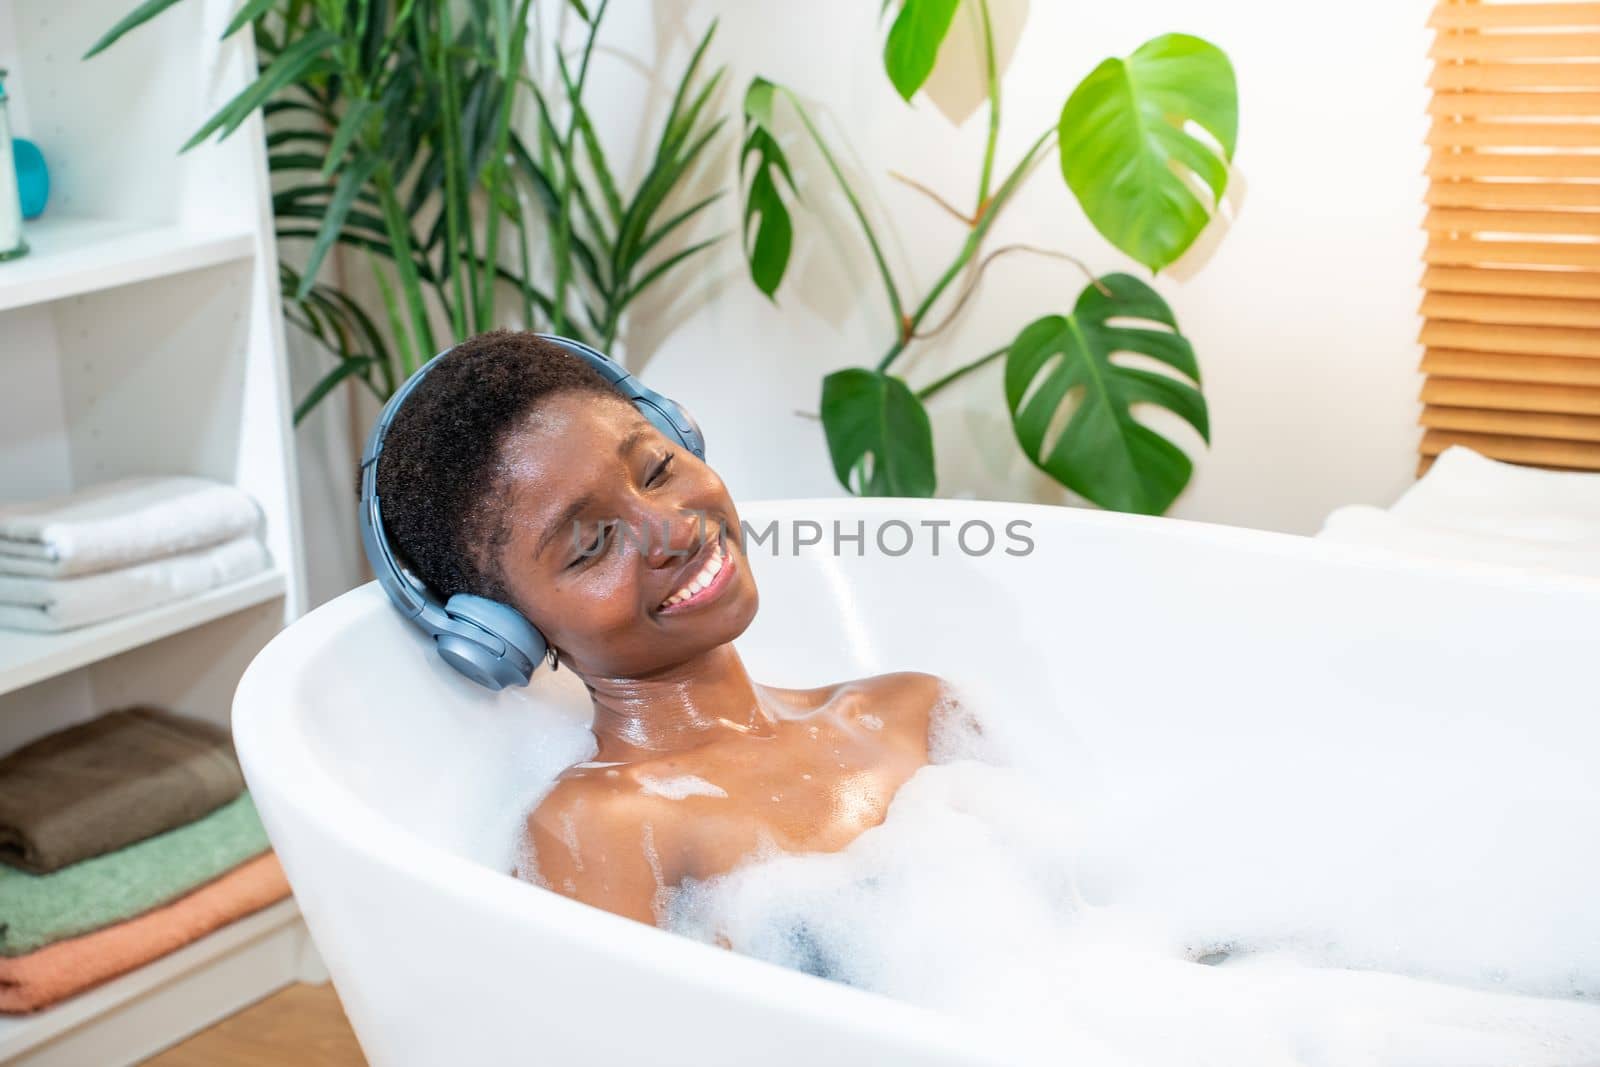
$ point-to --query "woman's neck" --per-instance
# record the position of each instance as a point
(679, 708)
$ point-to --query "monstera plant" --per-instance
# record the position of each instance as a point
(1143, 143)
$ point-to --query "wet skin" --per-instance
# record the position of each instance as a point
(697, 766)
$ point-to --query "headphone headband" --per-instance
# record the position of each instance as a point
(488, 641)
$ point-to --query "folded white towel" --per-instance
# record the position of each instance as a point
(122, 522)
(1469, 491)
(1470, 507)
(52, 604)
(1376, 528)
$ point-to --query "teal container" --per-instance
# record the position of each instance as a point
(33, 178)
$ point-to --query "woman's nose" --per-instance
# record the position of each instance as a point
(670, 538)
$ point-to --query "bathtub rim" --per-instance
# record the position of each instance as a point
(1275, 542)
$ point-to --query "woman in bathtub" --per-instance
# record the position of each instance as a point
(515, 471)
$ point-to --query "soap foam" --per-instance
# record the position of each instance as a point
(970, 899)
(678, 786)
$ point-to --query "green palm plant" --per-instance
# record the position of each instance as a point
(393, 132)
(1127, 147)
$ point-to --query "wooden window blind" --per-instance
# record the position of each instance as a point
(1511, 283)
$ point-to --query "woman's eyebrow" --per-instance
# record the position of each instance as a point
(576, 508)
(633, 438)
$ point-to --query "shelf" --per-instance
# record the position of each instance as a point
(68, 256)
(231, 967)
(26, 658)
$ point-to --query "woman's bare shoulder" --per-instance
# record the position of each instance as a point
(914, 687)
(580, 807)
(603, 844)
(583, 813)
(610, 795)
(919, 684)
(912, 690)
(586, 794)
(906, 701)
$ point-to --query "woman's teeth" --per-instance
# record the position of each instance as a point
(713, 566)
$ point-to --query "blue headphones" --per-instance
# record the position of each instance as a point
(490, 642)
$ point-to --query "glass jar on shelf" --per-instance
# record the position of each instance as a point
(11, 243)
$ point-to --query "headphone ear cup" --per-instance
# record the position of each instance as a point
(522, 646)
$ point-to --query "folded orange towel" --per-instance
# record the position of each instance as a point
(66, 968)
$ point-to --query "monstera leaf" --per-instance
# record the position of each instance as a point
(914, 39)
(878, 434)
(768, 228)
(1129, 160)
(1103, 453)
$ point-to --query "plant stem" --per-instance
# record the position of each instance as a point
(960, 372)
(968, 248)
(994, 110)
(526, 287)
(901, 328)
(935, 197)
(569, 175)
(452, 167)
(510, 64)
(397, 326)
(983, 264)
(405, 266)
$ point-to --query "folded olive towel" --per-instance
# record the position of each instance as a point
(39, 909)
(39, 979)
(104, 784)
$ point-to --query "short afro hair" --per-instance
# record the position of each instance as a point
(439, 476)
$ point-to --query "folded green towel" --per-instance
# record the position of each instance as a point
(40, 909)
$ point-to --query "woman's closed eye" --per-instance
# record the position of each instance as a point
(658, 474)
(591, 551)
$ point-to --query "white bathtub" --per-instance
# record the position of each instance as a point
(1262, 718)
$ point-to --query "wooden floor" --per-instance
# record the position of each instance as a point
(301, 1026)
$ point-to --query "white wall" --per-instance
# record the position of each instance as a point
(1304, 318)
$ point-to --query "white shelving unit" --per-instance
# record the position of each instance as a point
(143, 334)
(28, 658)
(69, 256)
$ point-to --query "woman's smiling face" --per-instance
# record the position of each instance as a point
(620, 546)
